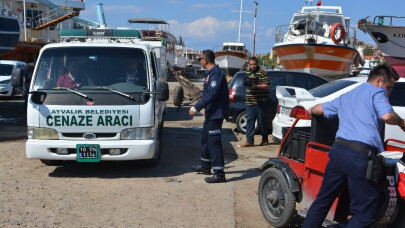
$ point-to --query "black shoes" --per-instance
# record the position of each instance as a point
(215, 179)
(201, 170)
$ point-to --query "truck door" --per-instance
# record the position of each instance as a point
(159, 107)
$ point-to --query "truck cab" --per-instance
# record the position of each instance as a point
(98, 95)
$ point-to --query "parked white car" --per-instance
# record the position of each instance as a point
(298, 100)
(6, 66)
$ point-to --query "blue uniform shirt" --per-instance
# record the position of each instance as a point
(360, 112)
(215, 96)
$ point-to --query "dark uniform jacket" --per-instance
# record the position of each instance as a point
(215, 97)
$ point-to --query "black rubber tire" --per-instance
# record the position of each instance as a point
(178, 95)
(155, 160)
(241, 121)
(276, 140)
(273, 186)
(52, 162)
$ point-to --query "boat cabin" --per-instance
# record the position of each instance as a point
(317, 20)
(232, 46)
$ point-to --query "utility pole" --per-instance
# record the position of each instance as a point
(254, 28)
(25, 22)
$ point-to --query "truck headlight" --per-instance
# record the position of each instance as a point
(138, 133)
(42, 133)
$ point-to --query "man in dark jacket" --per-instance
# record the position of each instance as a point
(215, 102)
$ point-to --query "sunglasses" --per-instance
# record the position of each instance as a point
(199, 59)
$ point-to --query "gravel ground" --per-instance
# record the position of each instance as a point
(126, 194)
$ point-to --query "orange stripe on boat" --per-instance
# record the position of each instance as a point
(337, 51)
(316, 63)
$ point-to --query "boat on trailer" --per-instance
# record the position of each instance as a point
(388, 32)
(232, 58)
(317, 41)
(159, 34)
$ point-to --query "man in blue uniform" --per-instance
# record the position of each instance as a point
(362, 113)
(215, 102)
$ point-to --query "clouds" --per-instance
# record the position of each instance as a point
(194, 21)
(208, 6)
(207, 28)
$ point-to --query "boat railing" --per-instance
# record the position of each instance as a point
(309, 31)
(382, 20)
(46, 17)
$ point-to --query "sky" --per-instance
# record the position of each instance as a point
(207, 24)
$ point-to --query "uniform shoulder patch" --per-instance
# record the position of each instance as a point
(213, 84)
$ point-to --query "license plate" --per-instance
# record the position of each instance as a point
(286, 111)
(88, 153)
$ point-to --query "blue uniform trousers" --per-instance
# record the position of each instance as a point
(345, 164)
(212, 155)
(258, 112)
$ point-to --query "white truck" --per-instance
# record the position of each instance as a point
(105, 112)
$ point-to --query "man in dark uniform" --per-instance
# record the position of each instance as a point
(362, 112)
(215, 102)
(257, 98)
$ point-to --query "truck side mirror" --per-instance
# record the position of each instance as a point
(17, 77)
(163, 89)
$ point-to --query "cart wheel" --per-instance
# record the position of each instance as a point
(178, 95)
(277, 202)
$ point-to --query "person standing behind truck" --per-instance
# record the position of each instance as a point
(362, 113)
(215, 102)
(257, 97)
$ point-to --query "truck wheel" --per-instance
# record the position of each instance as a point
(277, 202)
(178, 95)
(241, 121)
(52, 162)
(155, 160)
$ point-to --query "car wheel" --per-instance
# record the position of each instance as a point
(178, 95)
(277, 202)
(241, 121)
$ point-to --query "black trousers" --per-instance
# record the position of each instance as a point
(345, 165)
(212, 155)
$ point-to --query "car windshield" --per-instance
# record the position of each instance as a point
(5, 69)
(329, 88)
(121, 69)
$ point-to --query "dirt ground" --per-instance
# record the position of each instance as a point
(126, 194)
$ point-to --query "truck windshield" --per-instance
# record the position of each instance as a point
(121, 69)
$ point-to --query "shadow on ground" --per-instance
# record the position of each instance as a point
(180, 150)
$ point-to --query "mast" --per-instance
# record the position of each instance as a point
(254, 29)
(240, 19)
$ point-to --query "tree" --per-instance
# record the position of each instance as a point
(264, 60)
(368, 50)
(181, 42)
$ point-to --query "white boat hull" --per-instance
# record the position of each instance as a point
(230, 62)
(390, 39)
